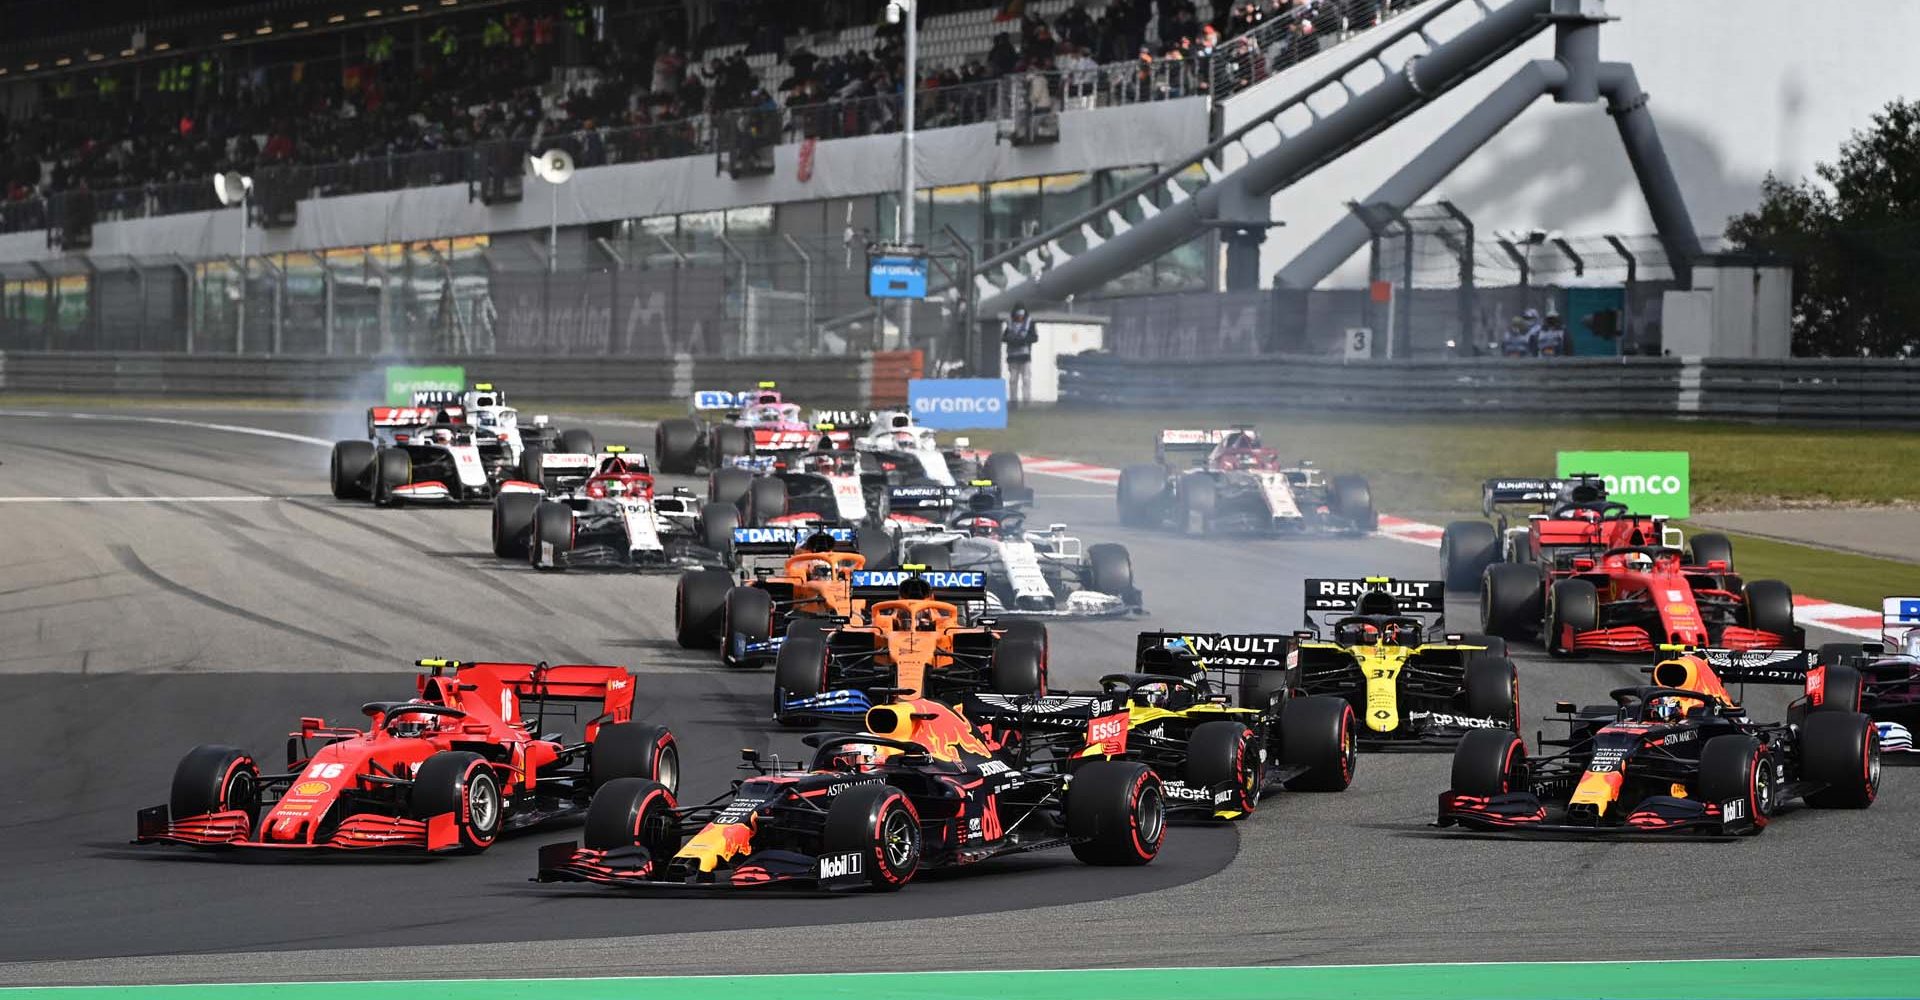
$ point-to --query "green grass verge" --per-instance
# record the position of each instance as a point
(1831, 576)
(1437, 462)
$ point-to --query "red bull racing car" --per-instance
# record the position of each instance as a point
(482, 750)
(1677, 755)
(920, 789)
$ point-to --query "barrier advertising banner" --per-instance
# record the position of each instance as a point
(956, 404)
(405, 380)
(1648, 482)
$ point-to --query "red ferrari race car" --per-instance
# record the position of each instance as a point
(921, 789)
(1589, 575)
(448, 771)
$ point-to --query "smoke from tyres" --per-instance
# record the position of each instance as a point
(897, 278)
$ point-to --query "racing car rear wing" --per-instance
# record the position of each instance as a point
(1898, 616)
(1218, 650)
(563, 471)
(1336, 597)
(1581, 487)
(956, 586)
(1749, 666)
(758, 547)
(1191, 444)
(919, 499)
(379, 417)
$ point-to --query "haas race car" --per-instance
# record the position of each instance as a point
(1382, 646)
(1677, 755)
(1219, 727)
(477, 753)
(1586, 574)
(610, 518)
(1227, 481)
(1889, 672)
(448, 447)
(1036, 574)
(921, 789)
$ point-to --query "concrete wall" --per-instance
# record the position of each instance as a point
(1738, 87)
(869, 165)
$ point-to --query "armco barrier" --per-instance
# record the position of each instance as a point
(1867, 392)
(826, 381)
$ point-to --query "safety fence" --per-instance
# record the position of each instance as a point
(1863, 391)
(878, 379)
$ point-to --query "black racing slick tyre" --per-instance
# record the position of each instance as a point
(1736, 773)
(552, 536)
(1141, 495)
(1028, 631)
(1019, 667)
(1109, 569)
(1493, 689)
(578, 442)
(1769, 606)
(1710, 548)
(1467, 548)
(1489, 762)
(766, 500)
(746, 616)
(532, 464)
(1510, 600)
(215, 778)
(1317, 734)
(728, 441)
(1495, 645)
(1010, 475)
(729, 485)
(350, 469)
(513, 524)
(1225, 753)
(697, 603)
(633, 812)
(873, 831)
(392, 468)
(1198, 497)
(634, 750)
(799, 671)
(1575, 604)
(1353, 500)
(1842, 751)
(466, 785)
(1841, 690)
(717, 521)
(1116, 813)
(676, 445)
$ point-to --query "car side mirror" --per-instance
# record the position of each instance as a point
(1583, 565)
(1563, 707)
(749, 755)
(1717, 565)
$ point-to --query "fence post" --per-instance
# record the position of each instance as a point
(192, 297)
(326, 302)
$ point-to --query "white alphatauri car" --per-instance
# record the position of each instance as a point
(1039, 574)
(610, 519)
(908, 454)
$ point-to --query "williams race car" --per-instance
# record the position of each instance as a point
(448, 771)
(1180, 712)
(1382, 646)
(1237, 485)
(1889, 671)
(1034, 574)
(914, 631)
(447, 447)
(1591, 576)
(920, 790)
(1679, 754)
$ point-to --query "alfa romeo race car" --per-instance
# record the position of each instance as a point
(914, 632)
(920, 790)
(447, 447)
(1184, 714)
(1382, 646)
(1889, 672)
(780, 574)
(1590, 576)
(1237, 485)
(1043, 574)
(610, 519)
(1679, 754)
(477, 753)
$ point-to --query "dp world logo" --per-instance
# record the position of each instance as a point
(953, 404)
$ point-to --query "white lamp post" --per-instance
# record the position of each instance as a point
(233, 188)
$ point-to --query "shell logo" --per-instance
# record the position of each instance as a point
(311, 788)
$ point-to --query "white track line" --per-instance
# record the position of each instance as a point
(222, 499)
(171, 422)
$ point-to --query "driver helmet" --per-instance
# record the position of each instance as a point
(1246, 460)
(1154, 695)
(1639, 562)
(1665, 709)
(983, 527)
(440, 435)
(854, 757)
(415, 724)
(905, 440)
(1359, 634)
(616, 487)
(1402, 634)
(820, 571)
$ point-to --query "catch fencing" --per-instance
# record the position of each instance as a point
(1868, 392)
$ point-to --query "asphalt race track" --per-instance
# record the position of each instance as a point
(131, 630)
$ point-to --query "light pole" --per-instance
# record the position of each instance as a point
(234, 188)
(555, 166)
(896, 11)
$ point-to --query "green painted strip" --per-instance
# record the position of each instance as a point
(1716, 979)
